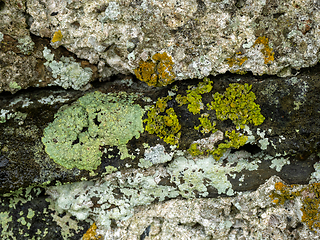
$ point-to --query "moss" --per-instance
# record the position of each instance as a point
(237, 104)
(310, 196)
(57, 36)
(163, 122)
(157, 71)
(267, 51)
(75, 137)
(194, 98)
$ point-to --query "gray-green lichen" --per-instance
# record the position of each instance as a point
(136, 187)
(154, 155)
(75, 137)
(26, 45)
(67, 72)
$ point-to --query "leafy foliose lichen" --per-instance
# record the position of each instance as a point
(205, 124)
(236, 140)
(194, 98)
(237, 104)
(157, 71)
(163, 122)
(78, 132)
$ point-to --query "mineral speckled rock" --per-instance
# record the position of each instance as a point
(202, 37)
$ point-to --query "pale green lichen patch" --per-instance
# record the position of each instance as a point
(154, 155)
(26, 45)
(117, 195)
(14, 85)
(5, 219)
(67, 72)
(197, 175)
(75, 137)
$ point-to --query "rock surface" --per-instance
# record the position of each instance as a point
(202, 37)
(233, 156)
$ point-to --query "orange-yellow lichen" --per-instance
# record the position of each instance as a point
(91, 233)
(57, 36)
(310, 196)
(157, 71)
(236, 60)
(267, 51)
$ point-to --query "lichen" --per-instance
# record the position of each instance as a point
(157, 71)
(25, 44)
(163, 122)
(14, 85)
(267, 51)
(57, 36)
(91, 233)
(194, 98)
(205, 124)
(236, 140)
(310, 197)
(75, 137)
(237, 60)
(67, 72)
(237, 104)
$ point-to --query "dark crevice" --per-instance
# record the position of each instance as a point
(2, 5)
(84, 129)
(253, 149)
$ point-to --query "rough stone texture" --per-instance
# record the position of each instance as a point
(144, 197)
(246, 216)
(249, 215)
(203, 37)
(288, 104)
(21, 53)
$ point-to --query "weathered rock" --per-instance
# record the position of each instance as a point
(265, 213)
(288, 104)
(202, 37)
(148, 162)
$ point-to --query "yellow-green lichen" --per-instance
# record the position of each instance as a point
(75, 137)
(310, 197)
(14, 85)
(205, 124)
(157, 71)
(237, 104)
(194, 98)
(236, 140)
(163, 122)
